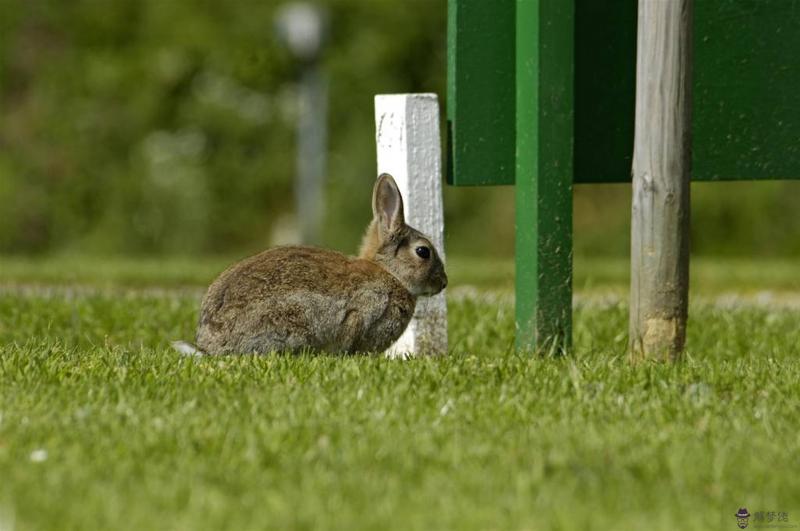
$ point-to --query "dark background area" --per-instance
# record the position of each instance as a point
(166, 127)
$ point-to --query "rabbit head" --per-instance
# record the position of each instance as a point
(405, 252)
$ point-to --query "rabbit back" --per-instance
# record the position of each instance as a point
(296, 298)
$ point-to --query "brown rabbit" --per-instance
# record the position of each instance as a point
(290, 299)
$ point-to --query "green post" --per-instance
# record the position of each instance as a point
(510, 121)
(544, 132)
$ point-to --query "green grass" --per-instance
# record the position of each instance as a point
(102, 426)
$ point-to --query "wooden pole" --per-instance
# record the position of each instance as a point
(409, 148)
(661, 175)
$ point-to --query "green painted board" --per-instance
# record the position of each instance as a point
(746, 122)
(747, 89)
(605, 75)
(480, 92)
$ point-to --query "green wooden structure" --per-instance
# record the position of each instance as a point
(541, 96)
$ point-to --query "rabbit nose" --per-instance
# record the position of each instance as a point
(444, 282)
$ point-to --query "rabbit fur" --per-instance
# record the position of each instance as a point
(297, 298)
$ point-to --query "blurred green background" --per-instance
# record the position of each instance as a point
(150, 127)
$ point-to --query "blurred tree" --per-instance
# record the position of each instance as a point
(144, 126)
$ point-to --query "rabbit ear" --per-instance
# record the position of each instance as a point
(387, 204)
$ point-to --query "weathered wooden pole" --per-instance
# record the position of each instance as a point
(409, 148)
(661, 175)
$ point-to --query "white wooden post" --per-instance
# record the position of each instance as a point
(409, 148)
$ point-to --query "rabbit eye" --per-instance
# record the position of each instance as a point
(423, 252)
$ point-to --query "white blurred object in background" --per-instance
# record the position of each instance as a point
(302, 28)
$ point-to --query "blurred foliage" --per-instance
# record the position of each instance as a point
(147, 127)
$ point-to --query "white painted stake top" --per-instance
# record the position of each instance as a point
(409, 148)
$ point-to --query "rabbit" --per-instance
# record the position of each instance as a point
(297, 298)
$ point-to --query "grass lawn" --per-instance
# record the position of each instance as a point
(103, 427)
